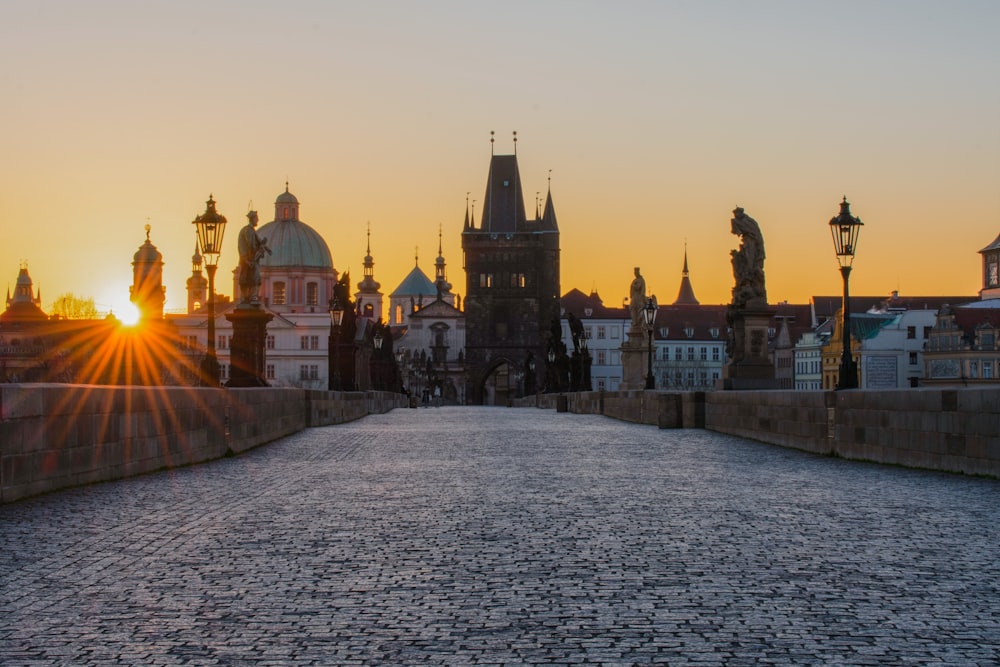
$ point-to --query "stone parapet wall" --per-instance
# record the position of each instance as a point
(54, 436)
(952, 430)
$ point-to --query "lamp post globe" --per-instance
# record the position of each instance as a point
(210, 227)
(845, 229)
(649, 316)
(336, 319)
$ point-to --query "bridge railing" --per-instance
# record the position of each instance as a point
(54, 436)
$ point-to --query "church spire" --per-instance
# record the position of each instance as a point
(685, 296)
(549, 215)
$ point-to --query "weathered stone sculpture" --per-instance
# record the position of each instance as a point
(748, 262)
(251, 247)
(637, 299)
(750, 366)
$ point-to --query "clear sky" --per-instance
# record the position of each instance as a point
(656, 119)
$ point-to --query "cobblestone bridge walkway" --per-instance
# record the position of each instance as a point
(489, 536)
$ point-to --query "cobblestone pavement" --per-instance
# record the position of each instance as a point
(492, 536)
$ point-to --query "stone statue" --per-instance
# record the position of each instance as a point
(251, 248)
(637, 299)
(748, 262)
(575, 330)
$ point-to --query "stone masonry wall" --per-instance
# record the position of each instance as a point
(54, 436)
(952, 430)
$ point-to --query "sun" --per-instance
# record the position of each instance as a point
(127, 314)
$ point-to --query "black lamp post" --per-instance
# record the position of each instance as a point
(845, 229)
(649, 315)
(376, 358)
(210, 227)
(336, 319)
(400, 356)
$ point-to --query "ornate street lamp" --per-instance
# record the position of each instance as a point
(845, 229)
(377, 361)
(336, 319)
(585, 361)
(210, 227)
(649, 316)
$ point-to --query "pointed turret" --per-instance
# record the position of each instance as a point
(440, 275)
(549, 215)
(368, 296)
(685, 296)
(197, 283)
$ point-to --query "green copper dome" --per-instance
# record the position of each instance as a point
(293, 243)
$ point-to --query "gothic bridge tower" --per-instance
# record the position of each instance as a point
(512, 285)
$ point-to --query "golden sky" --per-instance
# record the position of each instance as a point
(656, 119)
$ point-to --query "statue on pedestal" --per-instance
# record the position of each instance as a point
(750, 365)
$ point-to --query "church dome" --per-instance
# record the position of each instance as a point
(293, 243)
(286, 197)
(147, 252)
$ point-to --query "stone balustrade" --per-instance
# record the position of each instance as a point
(54, 436)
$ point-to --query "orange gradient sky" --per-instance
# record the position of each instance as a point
(656, 119)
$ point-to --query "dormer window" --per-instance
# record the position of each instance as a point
(689, 332)
(714, 331)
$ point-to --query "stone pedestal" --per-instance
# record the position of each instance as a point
(634, 360)
(246, 352)
(749, 366)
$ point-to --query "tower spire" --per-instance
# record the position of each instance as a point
(685, 296)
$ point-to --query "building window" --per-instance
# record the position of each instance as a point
(913, 358)
(313, 372)
(269, 372)
(600, 384)
(602, 358)
(678, 353)
(973, 369)
(690, 354)
(399, 314)
(704, 354)
(312, 294)
(911, 333)
(222, 343)
(313, 342)
(270, 342)
(303, 372)
(987, 370)
(715, 353)
(279, 294)
(304, 343)
(600, 333)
